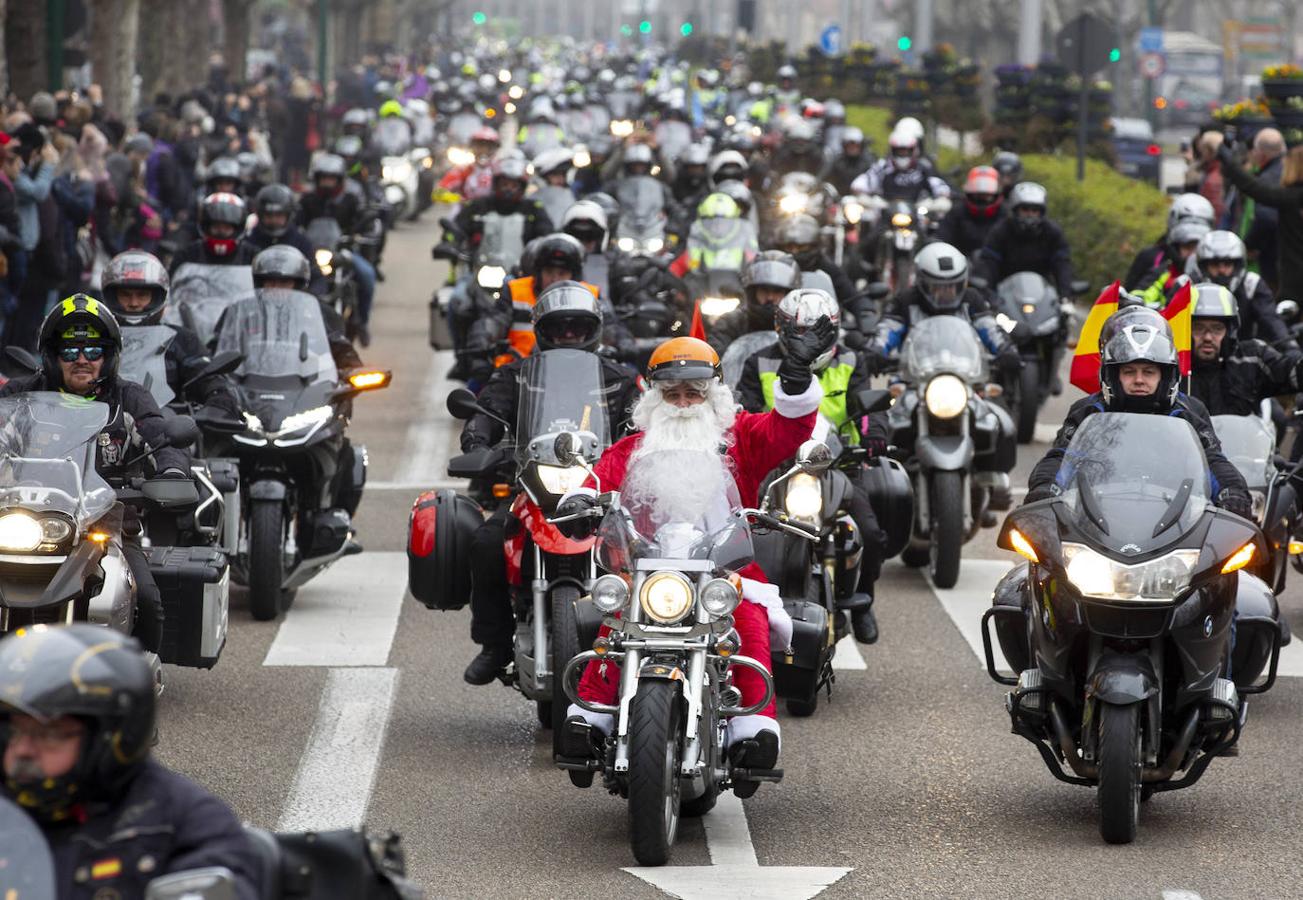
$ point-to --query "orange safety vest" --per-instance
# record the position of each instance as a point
(521, 334)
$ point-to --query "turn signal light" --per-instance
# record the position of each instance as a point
(501, 491)
(1024, 547)
(98, 537)
(1295, 548)
(1239, 559)
(368, 381)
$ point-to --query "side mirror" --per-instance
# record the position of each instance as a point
(212, 883)
(814, 456)
(873, 400)
(223, 363)
(878, 290)
(462, 404)
(564, 448)
(1286, 309)
(24, 359)
(181, 431)
(1079, 286)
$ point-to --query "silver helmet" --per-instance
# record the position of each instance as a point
(1218, 246)
(567, 316)
(800, 310)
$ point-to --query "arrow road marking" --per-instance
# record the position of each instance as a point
(846, 655)
(735, 873)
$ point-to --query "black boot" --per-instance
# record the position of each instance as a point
(865, 625)
(580, 740)
(485, 667)
(759, 752)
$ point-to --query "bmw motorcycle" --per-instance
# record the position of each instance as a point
(334, 258)
(493, 259)
(200, 293)
(1130, 661)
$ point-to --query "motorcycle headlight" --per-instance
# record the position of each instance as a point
(653, 245)
(1095, 575)
(20, 532)
(515, 92)
(718, 306)
(504, 76)
(610, 593)
(791, 204)
(666, 597)
(460, 156)
(946, 396)
(901, 220)
(491, 277)
(804, 497)
(561, 480)
(397, 171)
(720, 597)
(582, 159)
(853, 212)
(626, 244)
(621, 128)
(309, 418)
(55, 531)
(324, 259)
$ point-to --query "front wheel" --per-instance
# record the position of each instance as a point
(1119, 772)
(564, 647)
(266, 559)
(1029, 399)
(946, 536)
(654, 784)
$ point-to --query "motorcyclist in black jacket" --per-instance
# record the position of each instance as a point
(766, 279)
(135, 285)
(1027, 241)
(275, 207)
(221, 222)
(852, 162)
(1140, 373)
(565, 316)
(798, 236)
(1232, 375)
(77, 721)
(967, 225)
(81, 345)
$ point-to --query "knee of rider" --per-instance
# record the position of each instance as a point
(603, 722)
(742, 728)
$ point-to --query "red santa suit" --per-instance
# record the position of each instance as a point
(760, 442)
(472, 182)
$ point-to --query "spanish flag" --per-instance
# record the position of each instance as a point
(1084, 373)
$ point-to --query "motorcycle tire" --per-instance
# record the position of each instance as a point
(654, 784)
(1119, 772)
(1029, 399)
(946, 541)
(564, 647)
(266, 571)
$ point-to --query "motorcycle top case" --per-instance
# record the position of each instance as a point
(439, 535)
(194, 583)
(798, 677)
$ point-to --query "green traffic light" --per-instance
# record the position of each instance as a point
(904, 43)
(685, 29)
(626, 30)
(644, 26)
(1115, 54)
(479, 18)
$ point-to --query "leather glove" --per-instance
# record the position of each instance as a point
(875, 446)
(1043, 492)
(800, 351)
(1009, 360)
(221, 405)
(1236, 501)
(577, 529)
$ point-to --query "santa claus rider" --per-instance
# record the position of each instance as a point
(687, 407)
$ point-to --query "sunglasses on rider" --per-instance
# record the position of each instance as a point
(92, 353)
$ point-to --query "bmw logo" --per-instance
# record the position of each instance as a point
(1208, 626)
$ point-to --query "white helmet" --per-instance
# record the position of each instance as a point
(800, 310)
(583, 211)
(1190, 206)
(941, 273)
(911, 126)
(552, 159)
(730, 159)
(903, 147)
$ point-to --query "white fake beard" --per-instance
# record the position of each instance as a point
(703, 426)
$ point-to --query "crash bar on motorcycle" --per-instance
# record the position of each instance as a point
(570, 682)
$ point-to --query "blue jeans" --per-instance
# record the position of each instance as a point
(366, 286)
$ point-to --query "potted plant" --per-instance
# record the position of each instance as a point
(1279, 83)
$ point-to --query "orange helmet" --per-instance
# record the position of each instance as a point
(683, 359)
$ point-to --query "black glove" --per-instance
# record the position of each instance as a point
(1009, 360)
(577, 529)
(1043, 492)
(1236, 501)
(800, 351)
(875, 446)
(221, 405)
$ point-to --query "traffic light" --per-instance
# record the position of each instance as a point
(479, 18)
(644, 26)
(903, 43)
(625, 30)
(1115, 54)
(685, 29)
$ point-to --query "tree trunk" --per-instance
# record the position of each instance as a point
(114, 29)
(24, 47)
(236, 15)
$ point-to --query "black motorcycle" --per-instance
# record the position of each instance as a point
(1131, 661)
(296, 408)
(334, 258)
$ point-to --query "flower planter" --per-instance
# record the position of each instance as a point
(1278, 90)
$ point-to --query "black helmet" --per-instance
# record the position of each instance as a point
(79, 320)
(135, 269)
(222, 169)
(1216, 301)
(272, 199)
(1149, 340)
(772, 269)
(566, 316)
(282, 261)
(97, 675)
(799, 236)
(1009, 165)
(561, 250)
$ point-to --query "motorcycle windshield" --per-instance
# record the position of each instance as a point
(1133, 497)
(623, 104)
(281, 335)
(26, 867)
(675, 504)
(144, 360)
(942, 344)
(642, 205)
(48, 442)
(324, 233)
(1248, 442)
(201, 293)
(561, 391)
(462, 126)
(392, 137)
(673, 138)
(556, 200)
(1025, 287)
(503, 241)
(740, 350)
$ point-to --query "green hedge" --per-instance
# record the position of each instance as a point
(1108, 218)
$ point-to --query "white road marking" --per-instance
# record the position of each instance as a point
(346, 616)
(332, 787)
(430, 433)
(735, 872)
(970, 598)
(1291, 659)
(1181, 895)
(846, 655)
(416, 487)
(1044, 433)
